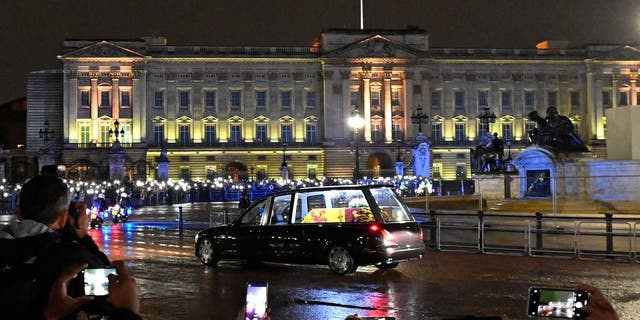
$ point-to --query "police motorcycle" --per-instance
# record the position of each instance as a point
(121, 211)
(99, 211)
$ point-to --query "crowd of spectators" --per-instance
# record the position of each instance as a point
(152, 192)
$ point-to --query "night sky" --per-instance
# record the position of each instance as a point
(32, 31)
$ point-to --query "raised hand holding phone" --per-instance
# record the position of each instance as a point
(557, 303)
(256, 301)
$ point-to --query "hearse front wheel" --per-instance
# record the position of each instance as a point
(206, 252)
(341, 261)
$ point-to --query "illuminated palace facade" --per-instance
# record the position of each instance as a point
(243, 111)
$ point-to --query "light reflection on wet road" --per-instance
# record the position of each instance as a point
(175, 285)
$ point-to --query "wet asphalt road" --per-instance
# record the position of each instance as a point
(175, 285)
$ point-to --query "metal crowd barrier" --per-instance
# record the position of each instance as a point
(585, 237)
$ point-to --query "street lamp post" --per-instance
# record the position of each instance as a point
(44, 134)
(418, 117)
(487, 116)
(356, 122)
(117, 132)
(284, 168)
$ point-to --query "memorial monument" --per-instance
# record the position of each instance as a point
(421, 156)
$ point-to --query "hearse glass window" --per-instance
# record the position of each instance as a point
(348, 199)
(253, 216)
(390, 207)
(281, 210)
(342, 206)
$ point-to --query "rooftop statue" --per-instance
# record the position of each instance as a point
(555, 131)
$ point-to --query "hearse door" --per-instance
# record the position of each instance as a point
(247, 231)
(276, 237)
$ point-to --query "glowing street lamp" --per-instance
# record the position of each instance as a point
(418, 117)
(115, 132)
(356, 122)
(487, 116)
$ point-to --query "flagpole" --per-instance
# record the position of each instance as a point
(361, 15)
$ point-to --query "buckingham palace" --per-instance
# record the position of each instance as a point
(247, 112)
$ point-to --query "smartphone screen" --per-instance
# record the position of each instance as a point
(256, 302)
(557, 303)
(96, 281)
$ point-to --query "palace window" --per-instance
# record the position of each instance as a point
(355, 98)
(236, 99)
(311, 133)
(85, 133)
(460, 132)
(210, 99)
(125, 98)
(529, 99)
(286, 132)
(375, 98)
(376, 131)
(210, 134)
(261, 99)
(458, 97)
(105, 98)
(507, 131)
(184, 134)
(606, 99)
(482, 127)
(158, 99)
(261, 132)
(85, 98)
(436, 131)
(158, 133)
(126, 135)
(396, 132)
(311, 99)
(624, 98)
(312, 171)
(286, 99)
(184, 99)
(105, 136)
(395, 98)
(436, 99)
(505, 98)
(236, 133)
(483, 98)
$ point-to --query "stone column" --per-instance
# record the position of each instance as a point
(115, 96)
(388, 137)
(70, 117)
(3, 162)
(138, 94)
(591, 103)
(95, 130)
(367, 108)
(633, 77)
(407, 91)
(614, 85)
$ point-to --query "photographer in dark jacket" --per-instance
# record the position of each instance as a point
(76, 230)
(33, 254)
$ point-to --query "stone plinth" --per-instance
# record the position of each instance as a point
(543, 173)
(116, 165)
